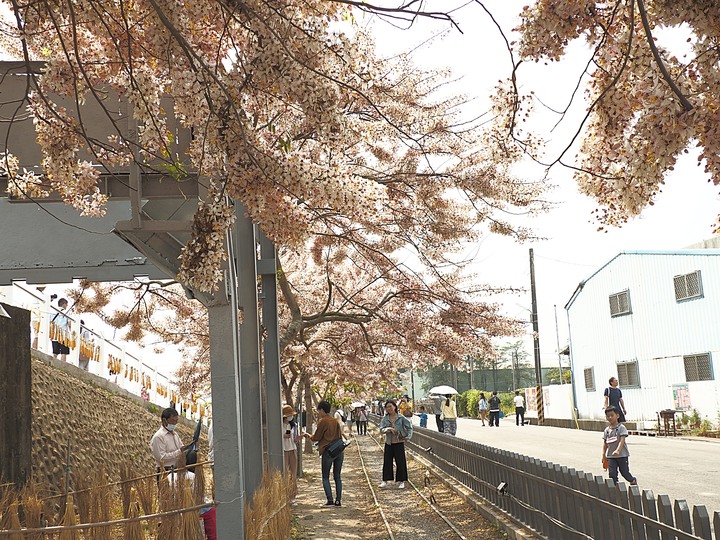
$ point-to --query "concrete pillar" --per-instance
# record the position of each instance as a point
(227, 417)
(267, 268)
(249, 345)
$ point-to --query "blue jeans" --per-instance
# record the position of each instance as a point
(620, 463)
(336, 463)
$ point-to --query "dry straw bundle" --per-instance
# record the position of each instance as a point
(126, 474)
(32, 507)
(199, 485)
(11, 521)
(100, 507)
(69, 519)
(134, 529)
(169, 499)
(268, 517)
(145, 488)
(190, 529)
(83, 496)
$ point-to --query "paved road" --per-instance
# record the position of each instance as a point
(683, 468)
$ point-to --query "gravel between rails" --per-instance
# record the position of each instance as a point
(409, 515)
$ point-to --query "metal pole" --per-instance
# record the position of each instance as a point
(299, 419)
(267, 267)
(536, 341)
(471, 360)
(557, 339)
(227, 417)
(249, 345)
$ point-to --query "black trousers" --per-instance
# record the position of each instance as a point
(519, 416)
(394, 452)
(495, 418)
(439, 423)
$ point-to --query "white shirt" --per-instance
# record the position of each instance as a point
(288, 442)
(519, 401)
(166, 447)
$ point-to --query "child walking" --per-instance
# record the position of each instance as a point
(423, 417)
(615, 449)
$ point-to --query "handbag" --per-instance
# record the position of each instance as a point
(335, 447)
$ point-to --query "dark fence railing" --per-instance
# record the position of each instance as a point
(559, 502)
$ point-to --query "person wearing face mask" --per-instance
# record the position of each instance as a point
(165, 445)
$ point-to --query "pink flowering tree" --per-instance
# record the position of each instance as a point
(646, 104)
(360, 167)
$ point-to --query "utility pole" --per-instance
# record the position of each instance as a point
(557, 338)
(536, 342)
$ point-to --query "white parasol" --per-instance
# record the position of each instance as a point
(443, 389)
(357, 404)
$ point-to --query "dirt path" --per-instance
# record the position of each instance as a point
(356, 518)
(410, 516)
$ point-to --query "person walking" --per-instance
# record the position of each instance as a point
(289, 441)
(615, 449)
(613, 398)
(483, 407)
(328, 431)
(397, 429)
(349, 419)
(423, 416)
(449, 415)
(340, 419)
(60, 345)
(494, 405)
(437, 404)
(362, 421)
(519, 402)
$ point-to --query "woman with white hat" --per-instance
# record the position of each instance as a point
(290, 437)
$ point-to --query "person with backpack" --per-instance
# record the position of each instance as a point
(494, 404)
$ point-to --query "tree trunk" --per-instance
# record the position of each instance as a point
(308, 413)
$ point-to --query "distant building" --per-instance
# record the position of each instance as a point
(651, 319)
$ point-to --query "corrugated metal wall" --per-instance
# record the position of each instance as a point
(657, 333)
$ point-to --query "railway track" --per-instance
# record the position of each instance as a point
(409, 513)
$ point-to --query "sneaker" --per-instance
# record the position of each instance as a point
(401, 485)
(338, 503)
(329, 503)
(634, 482)
(382, 484)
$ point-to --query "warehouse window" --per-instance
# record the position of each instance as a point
(698, 367)
(590, 379)
(628, 374)
(620, 304)
(688, 286)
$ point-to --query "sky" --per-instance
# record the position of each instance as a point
(572, 248)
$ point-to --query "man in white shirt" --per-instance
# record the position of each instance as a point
(165, 445)
(519, 402)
